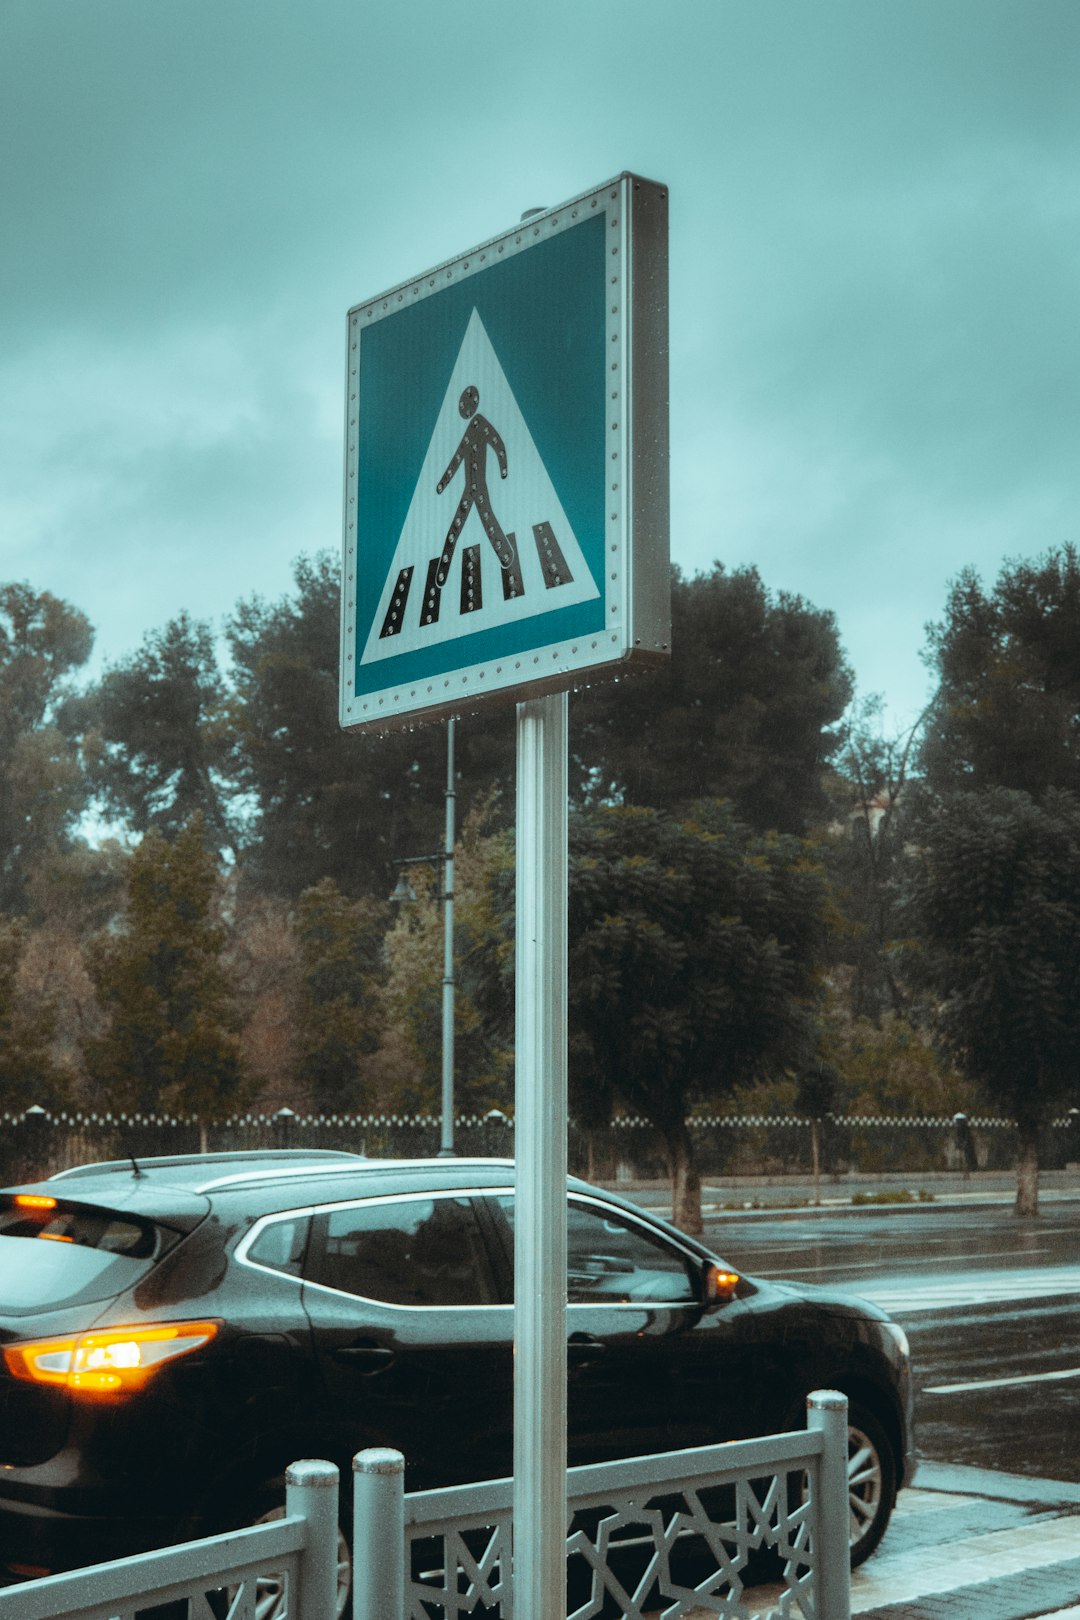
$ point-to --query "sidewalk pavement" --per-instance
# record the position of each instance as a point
(975, 1544)
(970, 1544)
(742, 1198)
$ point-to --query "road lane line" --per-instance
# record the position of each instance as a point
(1001, 1383)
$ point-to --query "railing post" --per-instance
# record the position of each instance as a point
(378, 1534)
(311, 1493)
(827, 1411)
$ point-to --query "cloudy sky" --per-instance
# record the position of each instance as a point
(875, 258)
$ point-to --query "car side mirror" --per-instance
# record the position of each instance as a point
(719, 1285)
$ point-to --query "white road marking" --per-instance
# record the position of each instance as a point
(919, 1293)
(877, 1265)
(1001, 1383)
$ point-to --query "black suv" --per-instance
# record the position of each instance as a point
(175, 1331)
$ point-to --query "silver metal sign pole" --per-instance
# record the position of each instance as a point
(540, 1137)
(446, 1146)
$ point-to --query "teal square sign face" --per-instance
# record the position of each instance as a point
(505, 529)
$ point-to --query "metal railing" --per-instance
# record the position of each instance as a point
(664, 1535)
(672, 1533)
(217, 1576)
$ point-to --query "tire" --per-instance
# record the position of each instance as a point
(871, 1481)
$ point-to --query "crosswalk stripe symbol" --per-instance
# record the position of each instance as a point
(482, 451)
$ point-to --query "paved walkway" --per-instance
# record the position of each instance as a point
(743, 1197)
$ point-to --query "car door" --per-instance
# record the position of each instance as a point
(651, 1366)
(410, 1335)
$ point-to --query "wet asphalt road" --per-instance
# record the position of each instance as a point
(991, 1306)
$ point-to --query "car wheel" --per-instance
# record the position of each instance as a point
(871, 1473)
(271, 1597)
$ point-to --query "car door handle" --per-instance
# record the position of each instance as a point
(366, 1358)
(583, 1349)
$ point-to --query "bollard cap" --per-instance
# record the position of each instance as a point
(826, 1400)
(378, 1460)
(312, 1471)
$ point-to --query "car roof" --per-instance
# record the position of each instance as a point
(193, 1169)
(263, 1181)
(180, 1189)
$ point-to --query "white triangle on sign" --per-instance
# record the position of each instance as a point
(522, 561)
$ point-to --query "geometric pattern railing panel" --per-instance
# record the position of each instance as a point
(660, 1536)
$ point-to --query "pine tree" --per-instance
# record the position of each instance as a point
(171, 1041)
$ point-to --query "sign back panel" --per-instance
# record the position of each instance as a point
(506, 527)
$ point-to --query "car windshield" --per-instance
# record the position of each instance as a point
(54, 1253)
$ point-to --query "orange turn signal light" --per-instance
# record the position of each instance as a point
(110, 1362)
(720, 1285)
(34, 1201)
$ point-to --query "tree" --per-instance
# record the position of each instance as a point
(692, 966)
(483, 948)
(747, 709)
(162, 744)
(42, 788)
(996, 907)
(28, 1073)
(337, 1014)
(865, 856)
(1007, 709)
(326, 803)
(171, 1039)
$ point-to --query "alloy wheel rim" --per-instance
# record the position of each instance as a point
(866, 1483)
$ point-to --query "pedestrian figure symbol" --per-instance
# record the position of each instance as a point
(472, 450)
(472, 453)
(531, 580)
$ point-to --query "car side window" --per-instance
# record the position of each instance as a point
(410, 1251)
(280, 1246)
(613, 1260)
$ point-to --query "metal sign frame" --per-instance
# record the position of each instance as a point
(601, 322)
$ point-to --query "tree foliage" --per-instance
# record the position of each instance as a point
(337, 1026)
(28, 1073)
(694, 945)
(483, 996)
(328, 804)
(865, 855)
(42, 788)
(996, 907)
(171, 1039)
(163, 746)
(747, 709)
(1007, 711)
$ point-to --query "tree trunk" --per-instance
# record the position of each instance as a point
(685, 1181)
(815, 1156)
(1027, 1170)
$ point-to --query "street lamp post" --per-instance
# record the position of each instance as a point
(403, 892)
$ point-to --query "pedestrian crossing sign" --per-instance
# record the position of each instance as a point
(505, 529)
